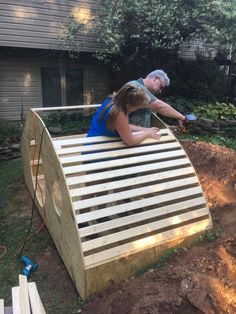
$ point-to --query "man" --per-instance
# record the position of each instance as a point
(153, 84)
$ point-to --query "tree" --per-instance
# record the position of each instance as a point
(139, 30)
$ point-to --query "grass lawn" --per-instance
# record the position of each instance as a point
(14, 225)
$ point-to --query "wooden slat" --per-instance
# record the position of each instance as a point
(109, 146)
(138, 217)
(16, 307)
(123, 162)
(39, 177)
(36, 162)
(24, 296)
(150, 201)
(99, 200)
(35, 300)
(118, 153)
(67, 108)
(1, 306)
(73, 136)
(73, 142)
(143, 229)
(149, 242)
(98, 139)
(114, 173)
(94, 139)
(130, 182)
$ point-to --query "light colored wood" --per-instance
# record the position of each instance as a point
(142, 203)
(24, 296)
(115, 145)
(98, 139)
(127, 249)
(77, 140)
(113, 173)
(99, 200)
(1, 306)
(35, 300)
(40, 109)
(142, 229)
(146, 199)
(58, 209)
(145, 202)
(123, 162)
(16, 306)
(138, 217)
(130, 182)
(116, 153)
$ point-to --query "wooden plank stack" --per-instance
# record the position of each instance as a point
(25, 299)
(112, 209)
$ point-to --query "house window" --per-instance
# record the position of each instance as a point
(51, 87)
(74, 87)
(62, 87)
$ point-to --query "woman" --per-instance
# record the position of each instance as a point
(111, 118)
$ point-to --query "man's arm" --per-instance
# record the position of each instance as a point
(166, 110)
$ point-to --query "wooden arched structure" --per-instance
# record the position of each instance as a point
(112, 209)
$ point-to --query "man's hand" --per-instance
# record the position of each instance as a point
(181, 121)
(173, 128)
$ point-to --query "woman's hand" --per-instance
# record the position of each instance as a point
(154, 129)
(125, 130)
(153, 133)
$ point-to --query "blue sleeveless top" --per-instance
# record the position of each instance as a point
(98, 126)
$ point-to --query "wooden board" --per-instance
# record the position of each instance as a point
(25, 298)
(35, 300)
(1, 306)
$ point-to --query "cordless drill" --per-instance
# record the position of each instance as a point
(189, 118)
(30, 266)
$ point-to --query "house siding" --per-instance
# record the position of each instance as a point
(189, 50)
(19, 88)
(20, 82)
(39, 23)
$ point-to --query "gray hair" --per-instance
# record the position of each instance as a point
(161, 74)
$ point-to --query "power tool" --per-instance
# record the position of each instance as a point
(30, 266)
(189, 119)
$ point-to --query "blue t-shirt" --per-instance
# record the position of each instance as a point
(98, 126)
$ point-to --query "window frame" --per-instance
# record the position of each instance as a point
(62, 77)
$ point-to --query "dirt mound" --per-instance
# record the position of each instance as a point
(216, 169)
(198, 280)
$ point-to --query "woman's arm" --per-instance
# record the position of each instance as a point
(122, 126)
(136, 128)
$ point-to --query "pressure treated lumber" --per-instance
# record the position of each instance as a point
(26, 299)
(112, 209)
(1, 306)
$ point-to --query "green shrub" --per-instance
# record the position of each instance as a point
(201, 78)
(10, 131)
(213, 110)
(76, 121)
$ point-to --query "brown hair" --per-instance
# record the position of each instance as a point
(127, 95)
